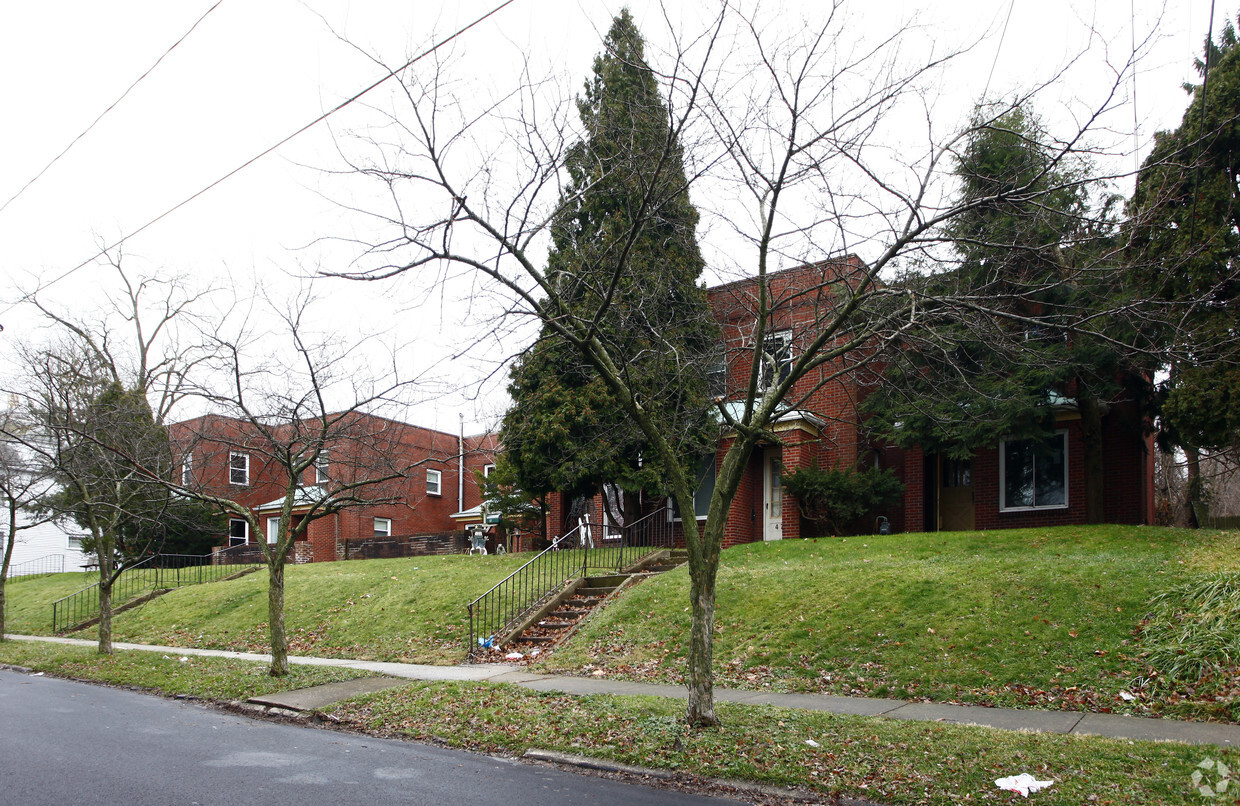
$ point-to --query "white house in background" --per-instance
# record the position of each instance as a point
(48, 548)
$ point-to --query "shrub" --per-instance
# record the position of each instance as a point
(835, 500)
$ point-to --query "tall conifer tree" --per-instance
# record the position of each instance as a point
(625, 260)
(1186, 225)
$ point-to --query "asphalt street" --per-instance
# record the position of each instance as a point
(65, 742)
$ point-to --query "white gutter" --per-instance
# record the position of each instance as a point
(460, 466)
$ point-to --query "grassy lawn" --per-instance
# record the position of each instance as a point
(888, 761)
(30, 598)
(1049, 618)
(1018, 618)
(207, 678)
(410, 609)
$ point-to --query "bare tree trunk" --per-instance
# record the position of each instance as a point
(1091, 443)
(1192, 489)
(106, 579)
(701, 710)
(275, 619)
(105, 617)
(10, 539)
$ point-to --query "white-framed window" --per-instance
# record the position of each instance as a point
(487, 470)
(383, 527)
(273, 529)
(238, 468)
(717, 379)
(701, 493)
(321, 467)
(434, 482)
(187, 470)
(776, 357)
(1033, 474)
(75, 543)
(238, 531)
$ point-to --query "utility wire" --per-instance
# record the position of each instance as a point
(391, 74)
(111, 106)
(998, 49)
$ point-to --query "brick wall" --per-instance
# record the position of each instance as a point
(370, 548)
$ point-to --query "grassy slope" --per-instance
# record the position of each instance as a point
(1019, 618)
(410, 609)
(29, 599)
(1024, 618)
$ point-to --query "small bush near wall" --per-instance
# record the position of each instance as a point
(836, 501)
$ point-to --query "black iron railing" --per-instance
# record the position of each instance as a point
(589, 548)
(47, 564)
(158, 572)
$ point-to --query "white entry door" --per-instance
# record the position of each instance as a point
(772, 496)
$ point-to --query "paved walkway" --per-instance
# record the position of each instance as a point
(1074, 722)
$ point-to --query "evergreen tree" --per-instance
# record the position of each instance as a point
(625, 263)
(1027, 250)
(1186, 233)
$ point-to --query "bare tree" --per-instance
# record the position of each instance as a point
(795, 148)
(294, 416)
(99, 389)
(24, 479)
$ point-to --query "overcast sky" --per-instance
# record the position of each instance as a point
(254, 71)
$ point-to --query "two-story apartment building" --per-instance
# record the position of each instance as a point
(1005, 485)
(420, 476)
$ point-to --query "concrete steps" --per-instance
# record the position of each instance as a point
(563, 615)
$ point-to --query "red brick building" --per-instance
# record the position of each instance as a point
(1006, 485)
(433, 477)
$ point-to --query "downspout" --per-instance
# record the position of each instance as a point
(460, 466)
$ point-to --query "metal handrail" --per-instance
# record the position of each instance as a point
(572, 555)
(47, 564)
(157, 572)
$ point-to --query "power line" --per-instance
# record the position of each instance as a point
(391, 74)
(111, 106)
(998, 49)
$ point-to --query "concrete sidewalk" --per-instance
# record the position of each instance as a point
(1066, 722)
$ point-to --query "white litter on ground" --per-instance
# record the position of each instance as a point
(1023, 783)
(812, 743)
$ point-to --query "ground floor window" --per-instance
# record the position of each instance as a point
(383, 527)
(704, 489)
(1033, 474)
(273, 530)
(238, 531)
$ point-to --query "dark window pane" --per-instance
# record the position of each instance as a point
(1049, 490)
(1018, 473)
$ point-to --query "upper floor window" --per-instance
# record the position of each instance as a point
(487, 470)
(238, 468)
(320, 469)
(776, 358)
(1033, 474)
(187, 470)
(434, 482)
(717, 379)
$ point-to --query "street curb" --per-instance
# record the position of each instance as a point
(602, 765)
(585, 762)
